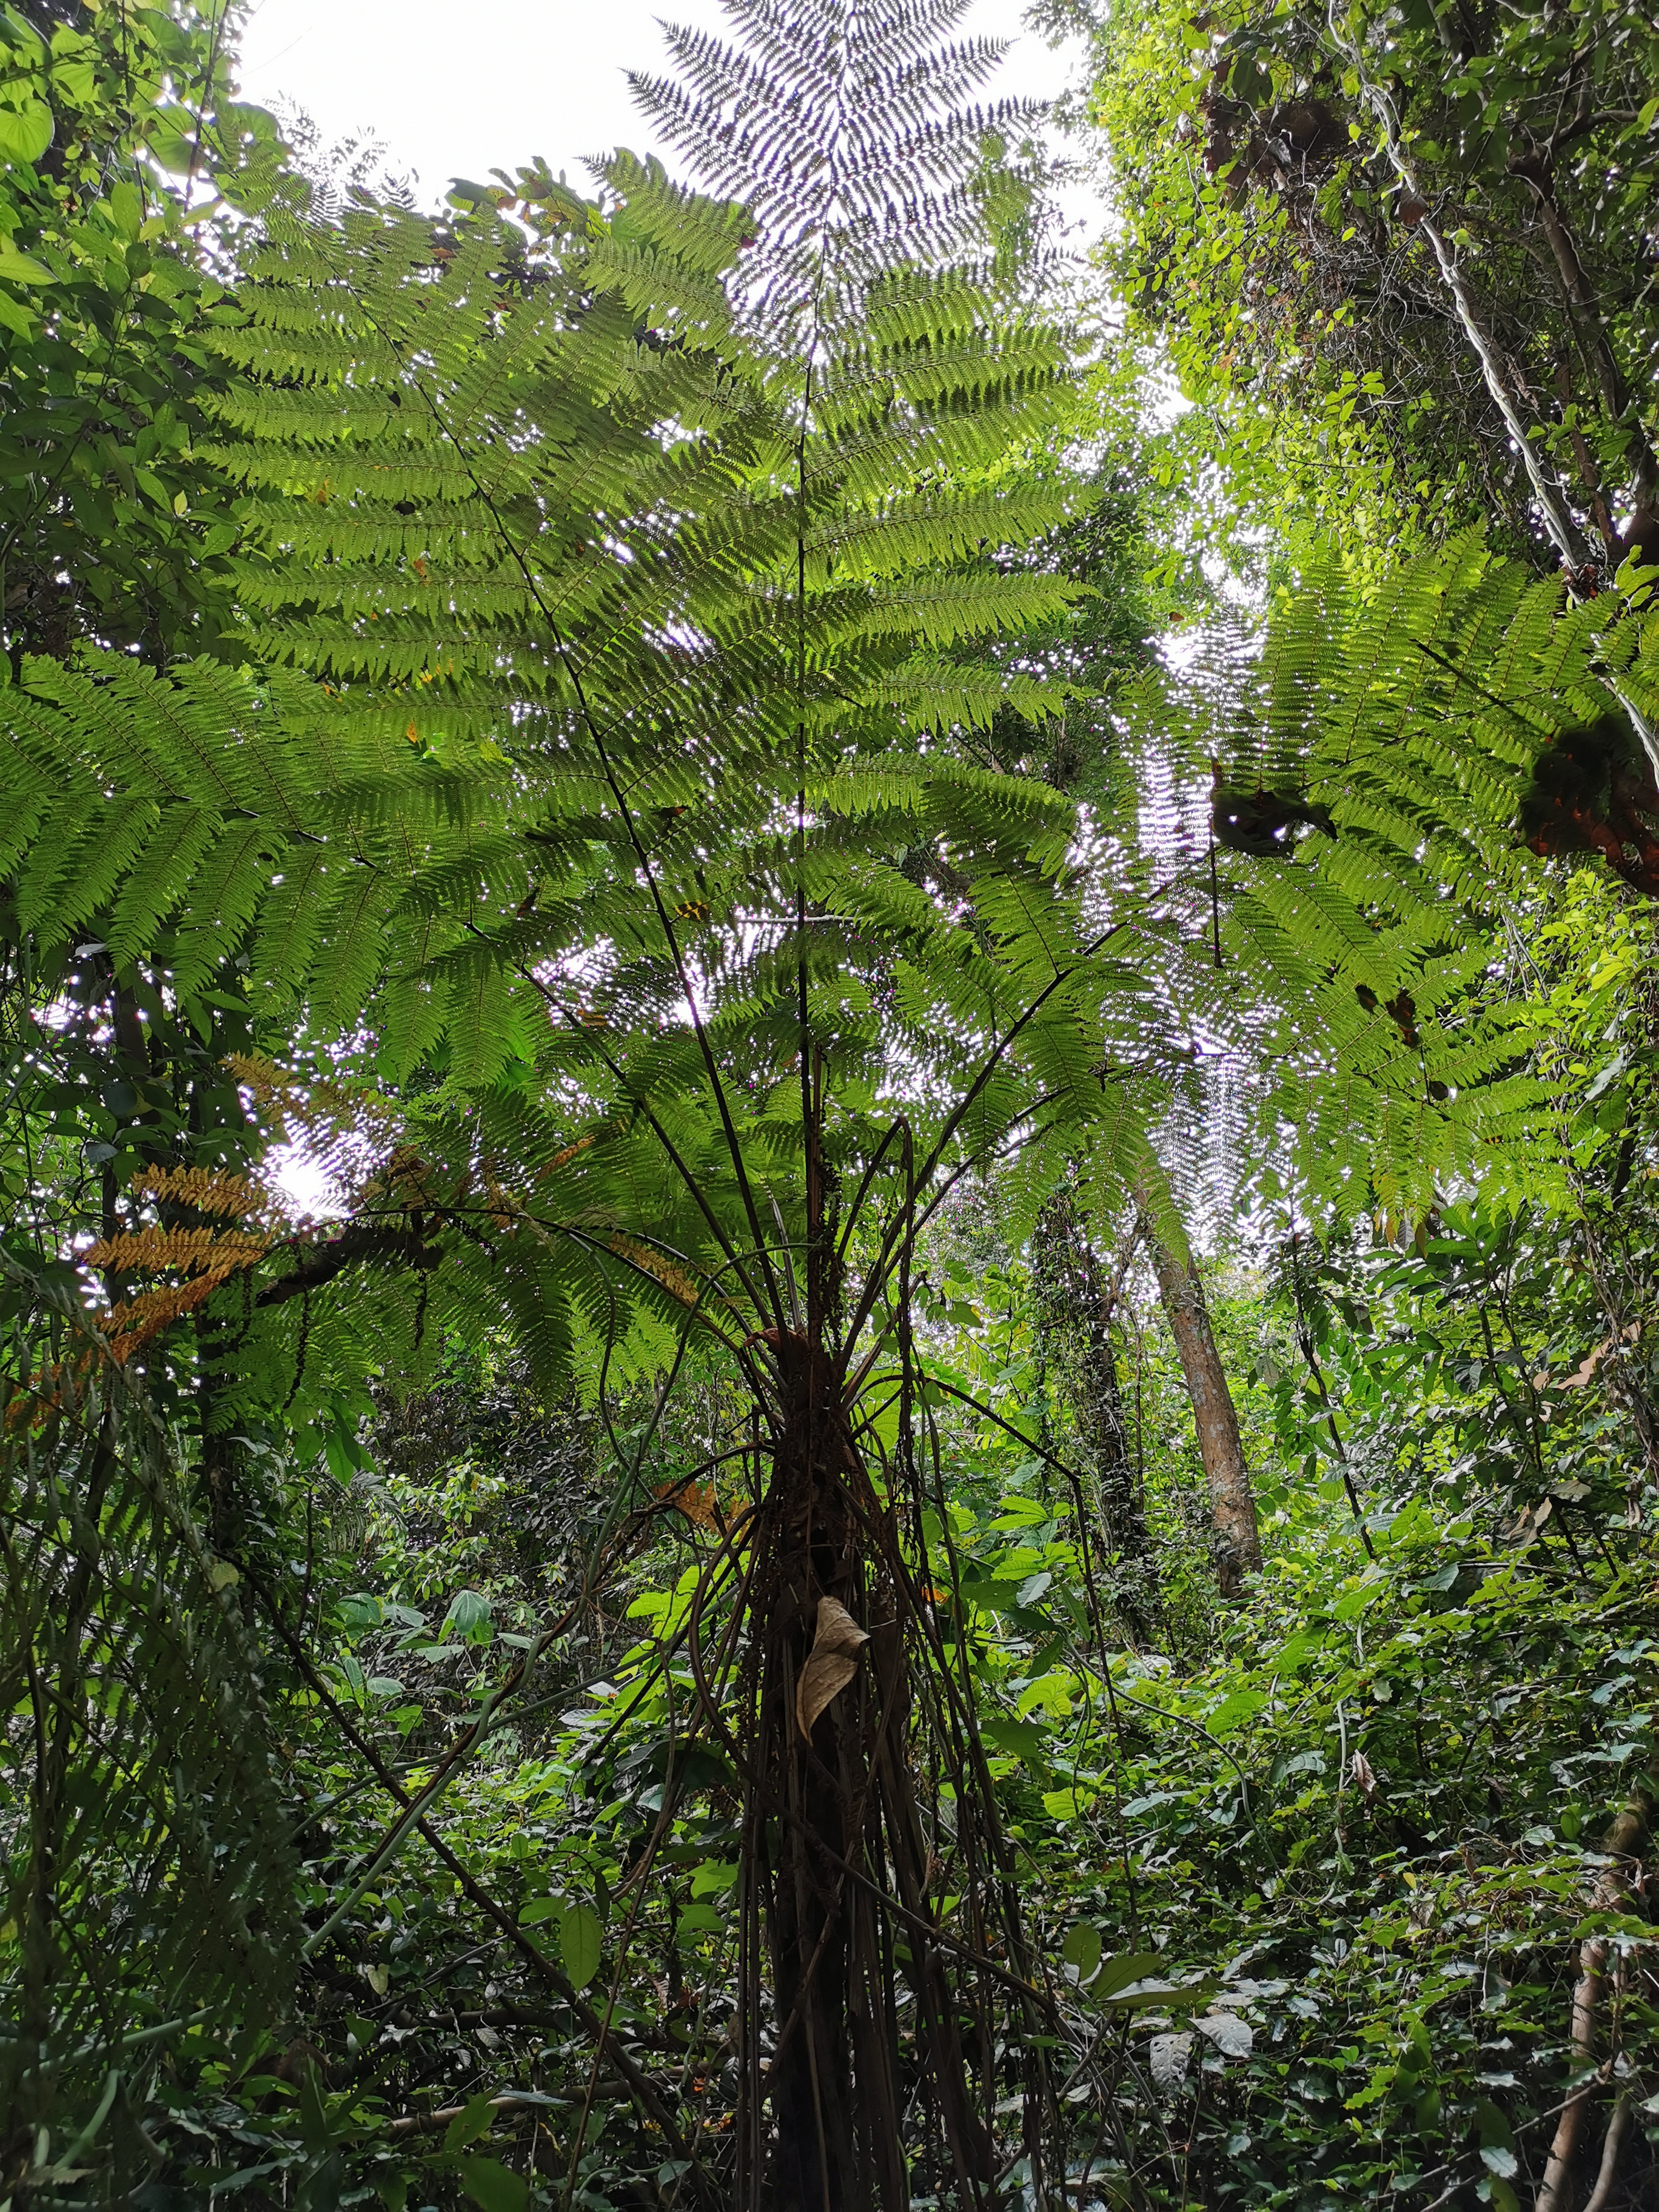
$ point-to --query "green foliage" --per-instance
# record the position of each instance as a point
(113, 270)
(149, 1869)
(1388, 1838)
(566, 781)
(1212, 278)
(1196, 1839)
(1372, 760)
(1288, 173)
(537, 702)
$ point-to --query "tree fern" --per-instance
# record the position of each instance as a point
(615, 594)
(695, 548)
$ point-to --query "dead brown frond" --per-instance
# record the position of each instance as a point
(204, 1190)
(696, 1500)
(563, 1158)
(673, 1280)
(220, 1252)
(138, 1320)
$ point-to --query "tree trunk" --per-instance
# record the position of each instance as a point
(1622, 1843)
(1074, 1319)
(1232, 1504)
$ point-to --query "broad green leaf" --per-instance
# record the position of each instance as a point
(1067, 1804)
(493, 2185)
(1161, 1994)
(175, 149)
(1081, 1949)
(1234, 1711)
(126, 208)
(1023, 1738)
(74, 82)
(19, 268)
(1116, 1974)
(468, 1617)
(579, 1938)
(25, 131)
(313, 2113)
(468, 2125)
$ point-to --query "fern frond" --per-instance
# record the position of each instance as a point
(150, 1873)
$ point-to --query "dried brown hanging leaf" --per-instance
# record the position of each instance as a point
(696, 1500)
(831, 1663)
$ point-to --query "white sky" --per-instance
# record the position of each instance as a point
(461, 90)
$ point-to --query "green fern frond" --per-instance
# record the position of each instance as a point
(1393, 738)
(151, 1873)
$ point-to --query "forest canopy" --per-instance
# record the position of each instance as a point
(829, 1138)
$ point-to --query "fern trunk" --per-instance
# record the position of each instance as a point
(830, 1823)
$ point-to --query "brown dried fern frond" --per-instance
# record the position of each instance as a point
(220, 1252)
(314, 1102)
(138, 1320)
(696, 1500)
(204, 1190)
(563, 1158)
(674, 1281)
